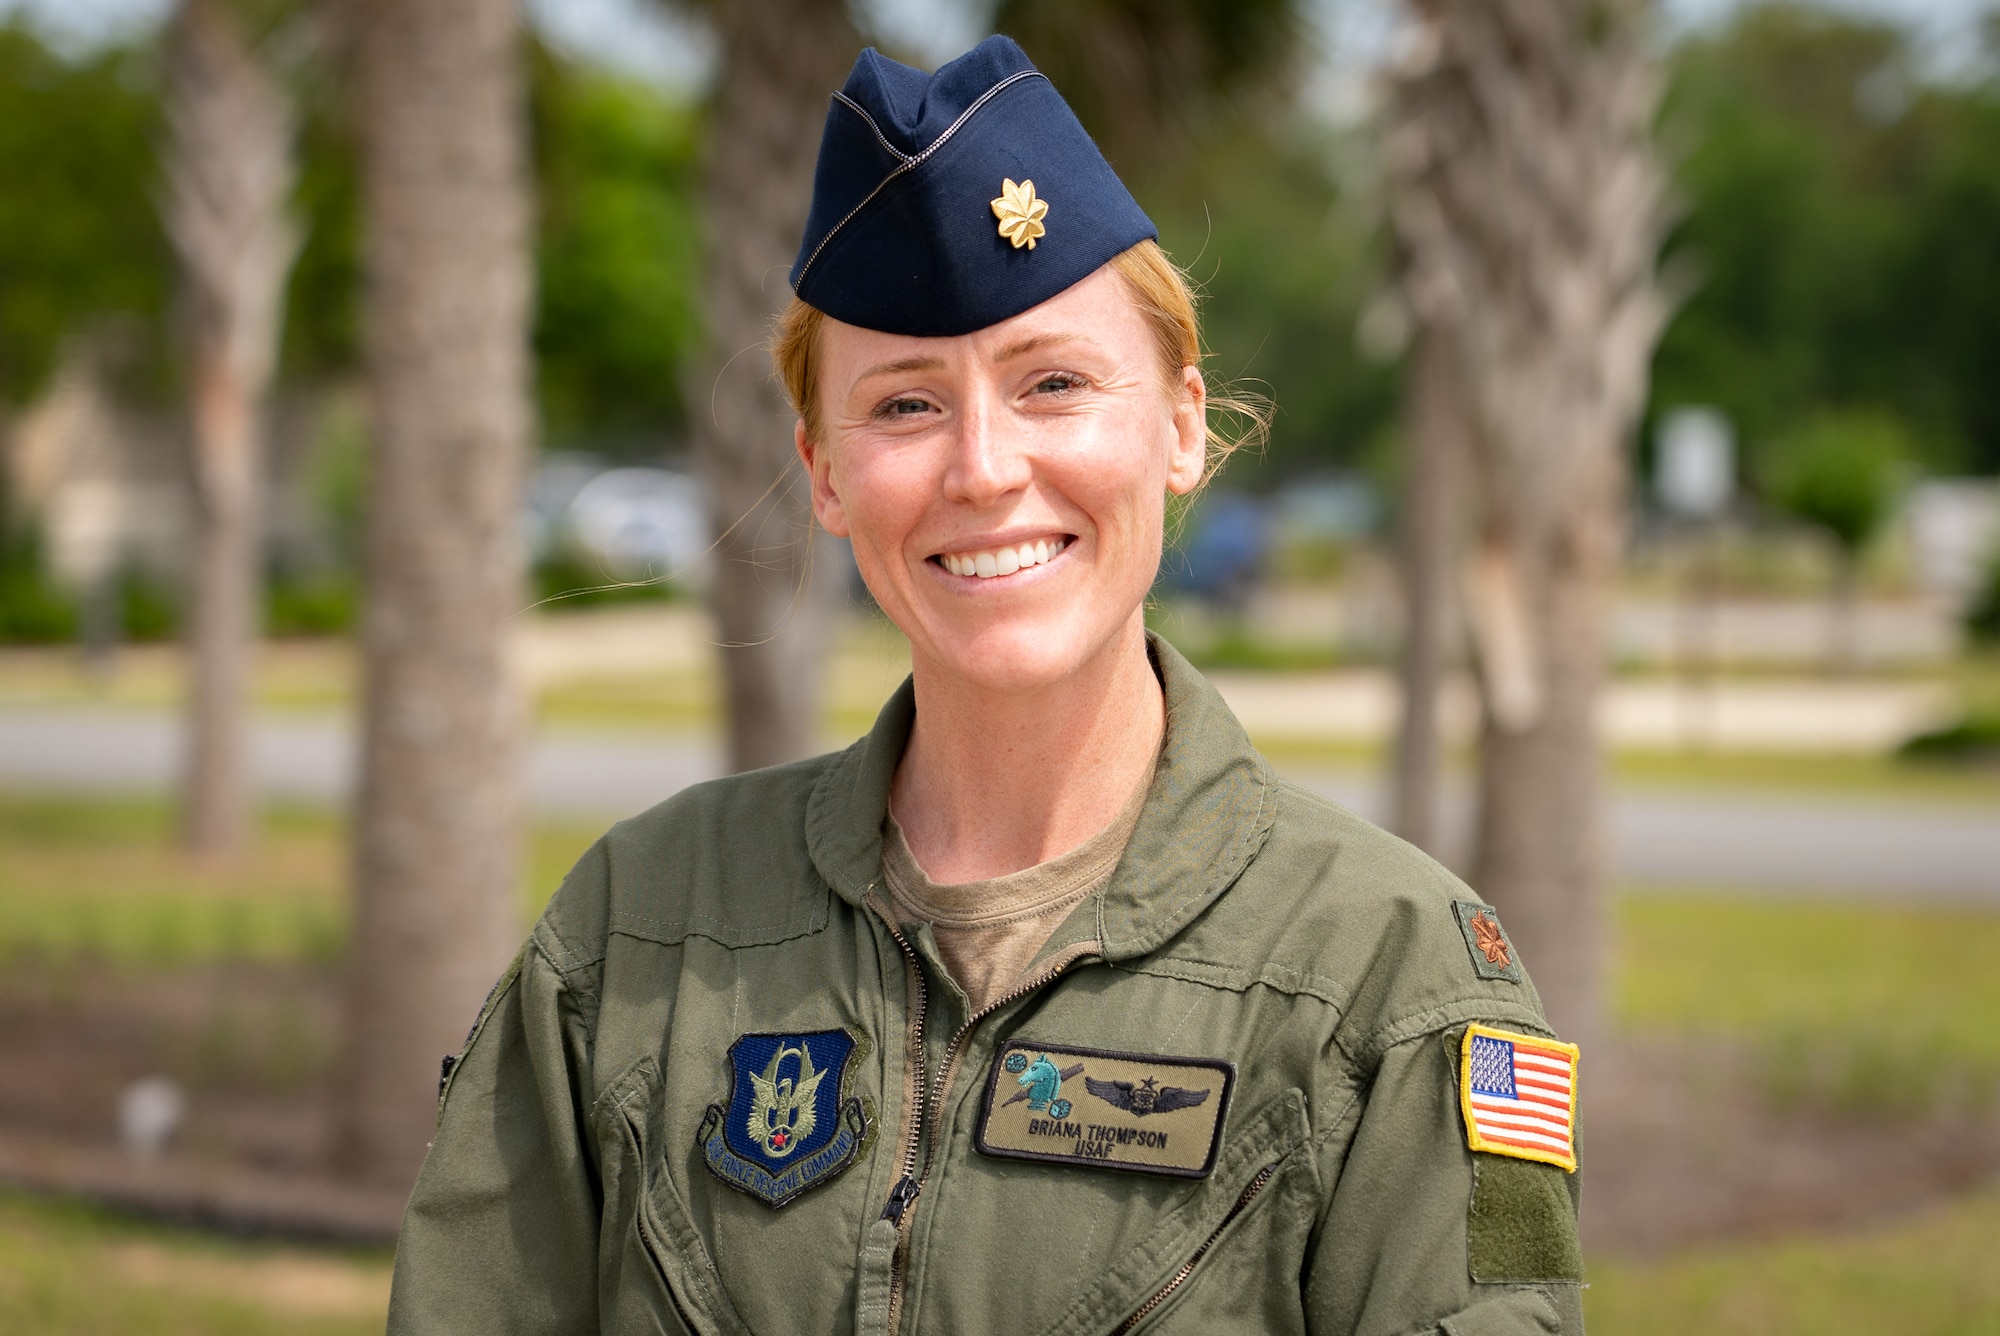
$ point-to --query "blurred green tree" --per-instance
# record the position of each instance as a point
(616, 320)
(619, 257)
(1152, 79)
(1839, 472)
(322, 299)
(1286, 265)
(1840, 219)
(1982, 615)
(79, 236)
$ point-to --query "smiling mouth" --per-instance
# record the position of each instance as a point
(992, 562)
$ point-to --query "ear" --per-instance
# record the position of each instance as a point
(1189, 457)
(827, 508)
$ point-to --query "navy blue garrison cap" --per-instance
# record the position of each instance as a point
(946, 203)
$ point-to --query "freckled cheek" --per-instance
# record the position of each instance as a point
(1124, 502)
(883, 506)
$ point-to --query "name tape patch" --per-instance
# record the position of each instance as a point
(1138, 1112)
(1518, 1092)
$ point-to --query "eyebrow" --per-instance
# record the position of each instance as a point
(1007, 354)
(902, 364)
(1036, 344)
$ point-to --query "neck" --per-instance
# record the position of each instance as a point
(992, 783)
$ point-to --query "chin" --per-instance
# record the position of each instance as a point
(1023, 654)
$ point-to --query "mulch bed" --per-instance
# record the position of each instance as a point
(1682, 1145)
(252, 1049)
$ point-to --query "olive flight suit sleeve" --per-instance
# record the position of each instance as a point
(1422, 1235)
(501, 1233)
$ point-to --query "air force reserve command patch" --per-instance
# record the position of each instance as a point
(1083, 1106)
(1518, 1092)
(789, 1124)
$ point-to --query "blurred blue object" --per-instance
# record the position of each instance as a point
(1328, 508)
(1228, 536)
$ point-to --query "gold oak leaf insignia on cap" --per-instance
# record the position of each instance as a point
(1020, 213)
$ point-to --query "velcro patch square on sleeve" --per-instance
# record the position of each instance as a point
(1518, 1093)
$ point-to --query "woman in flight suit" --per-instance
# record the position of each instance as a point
(1047, 1006)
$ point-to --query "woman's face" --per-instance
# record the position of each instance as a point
(1005, 490)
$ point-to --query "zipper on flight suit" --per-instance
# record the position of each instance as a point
(1187, 1268)
(911, 1183)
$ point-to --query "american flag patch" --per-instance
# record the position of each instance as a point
(1519, 1095)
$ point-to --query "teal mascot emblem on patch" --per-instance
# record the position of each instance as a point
(1039, 1081)
(788, 1125)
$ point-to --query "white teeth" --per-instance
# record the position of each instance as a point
(1002, 561)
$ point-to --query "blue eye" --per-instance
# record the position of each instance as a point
(1058, 384)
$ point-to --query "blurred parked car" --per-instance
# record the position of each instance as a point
(632, 523)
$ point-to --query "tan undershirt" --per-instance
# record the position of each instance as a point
(987, 932)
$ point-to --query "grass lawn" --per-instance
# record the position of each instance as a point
(1872, 777)
(1876, 1009)
(102, 877)
(69, 1270)
(1927, 1275)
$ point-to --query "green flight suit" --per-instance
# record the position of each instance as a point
(1249, 921)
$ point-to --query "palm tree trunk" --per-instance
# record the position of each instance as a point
(223, 622)
(1525, 190)
(1541, 849)
(1843, 612)
(228, 168)
(777, 585)
(437, 833)
(1433, 451)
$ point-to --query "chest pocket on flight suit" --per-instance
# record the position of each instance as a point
(653, 1263)
(1227, 1256)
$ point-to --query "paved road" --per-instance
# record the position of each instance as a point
(1766, 841)
(1749, 840)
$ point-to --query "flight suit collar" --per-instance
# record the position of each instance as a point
(1207, 813)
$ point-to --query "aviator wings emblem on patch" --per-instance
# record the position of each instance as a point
(781, 1115)
(1144, 1097)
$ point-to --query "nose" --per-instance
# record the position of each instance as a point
(988, 460)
